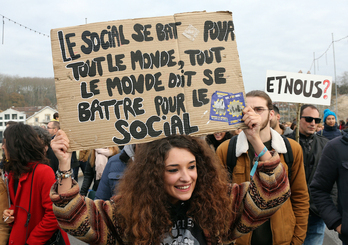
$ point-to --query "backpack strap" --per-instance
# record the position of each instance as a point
(288, 156)
(231, 160)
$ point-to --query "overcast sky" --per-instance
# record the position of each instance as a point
(271, 35)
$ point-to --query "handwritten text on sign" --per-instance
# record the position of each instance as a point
(298, 87)
(134, 80)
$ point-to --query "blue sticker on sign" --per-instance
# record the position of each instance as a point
(218, 110)
(234, 104)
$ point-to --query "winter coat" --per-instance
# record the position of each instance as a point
(312, 146)
(112, 174)
(289, 223)
(42, 223)
(330, 132)
(333, 167)
(245, 199)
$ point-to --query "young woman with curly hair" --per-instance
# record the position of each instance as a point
(175, 191)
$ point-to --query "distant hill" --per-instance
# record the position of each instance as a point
(26, 91)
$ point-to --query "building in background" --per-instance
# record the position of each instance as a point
(10, 115)
(38, 115)
(33, 115)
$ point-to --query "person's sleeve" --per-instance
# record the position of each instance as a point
(103, 192)
(44, 230)
(299, 195)
(88, 177)
(324, 178)
(256, 201)
(82, 217)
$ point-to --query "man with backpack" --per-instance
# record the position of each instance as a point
(312, 146)
(289, 224)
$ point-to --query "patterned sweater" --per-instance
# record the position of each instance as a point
(253, 201)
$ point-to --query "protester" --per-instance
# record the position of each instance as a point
(30, 180)
(53, 127)
(174, 190)
(342, 125)
(82, 159)
(276, 125)
(113, 172)
(293, 125)
(95, 167)
(287, 124)
(236, 131)
(45, 137)
(56, 117)
(333, 167)
(319, 127)
(214, 140)
(330, 130)
(312, 147)
(289, 224)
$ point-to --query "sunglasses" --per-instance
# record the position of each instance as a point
(310, 119)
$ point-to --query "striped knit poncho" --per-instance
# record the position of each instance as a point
(254, 202)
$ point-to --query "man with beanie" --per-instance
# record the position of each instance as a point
(330, 130)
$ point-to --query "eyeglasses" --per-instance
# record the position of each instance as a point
(50, 128)
(310, 119)
(259, 110)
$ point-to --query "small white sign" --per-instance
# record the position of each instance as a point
(298, 87)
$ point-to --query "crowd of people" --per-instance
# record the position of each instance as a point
(256, 185)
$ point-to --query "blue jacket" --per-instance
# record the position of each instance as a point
(333, 167)
(112, 174)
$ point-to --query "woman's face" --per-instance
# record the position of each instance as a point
(4, 149)
(180, 174)
(219, 136)
(330, 120)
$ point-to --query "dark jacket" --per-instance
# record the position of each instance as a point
(312, 147)
(112, 174)
(333, 167)
(88, 178)
(330, 132)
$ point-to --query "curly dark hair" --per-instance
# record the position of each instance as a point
(23, 146)
(144, 206)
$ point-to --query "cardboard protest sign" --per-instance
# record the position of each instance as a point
(298, 87)
(133, 81)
